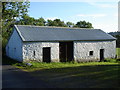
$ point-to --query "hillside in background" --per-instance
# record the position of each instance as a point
(114, 33)
(117, 36)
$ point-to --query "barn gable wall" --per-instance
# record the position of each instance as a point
(14, 47)
(82, 49)
(31, 48)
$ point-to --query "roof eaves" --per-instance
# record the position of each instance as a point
(19, 33)
(70, 40)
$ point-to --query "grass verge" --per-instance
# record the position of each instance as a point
(118, 52)
(77, 75)
(40, 66)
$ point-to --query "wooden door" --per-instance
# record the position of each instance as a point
(47, 54)
(101, 54)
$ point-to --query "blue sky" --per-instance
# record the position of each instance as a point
(103, 15)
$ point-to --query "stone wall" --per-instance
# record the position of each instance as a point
(82, 49)
(30, 47)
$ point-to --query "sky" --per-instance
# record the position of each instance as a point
(102, 15)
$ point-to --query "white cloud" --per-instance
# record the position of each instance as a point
(51, 18)
(73, 0)
(103, 5)
(116, 14)
(91, 15)
(106, 28)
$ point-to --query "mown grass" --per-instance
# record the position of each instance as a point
(73, 74)
(42, 65)
(118, 52)
(76, 75)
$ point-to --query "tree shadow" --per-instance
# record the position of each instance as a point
(98, 76)
(91, 76)
(8, 61)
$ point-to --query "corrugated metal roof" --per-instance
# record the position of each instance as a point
(40, 33)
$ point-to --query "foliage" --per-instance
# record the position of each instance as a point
(56, 22)
(118, 53)
(118, 40)
(12, 12)
(40, 22)
(70, 24)
(83, 24)
(111, 60)
(8, 61)
(43, 65)
(117, 36)
(4, 42)
(27, 20)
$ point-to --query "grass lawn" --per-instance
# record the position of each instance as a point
(75, 75)
(118, 52)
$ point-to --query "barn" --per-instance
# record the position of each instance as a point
(58, 44)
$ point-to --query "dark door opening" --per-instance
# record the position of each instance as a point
(46, 54)
(101, 54)
(66, 51)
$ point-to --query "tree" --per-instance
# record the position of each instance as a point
(12, 12)
(40, 22)
(70, 24)
(56, 22)
(118, 40)
(26, 20)
(83, 24)
(49, 23)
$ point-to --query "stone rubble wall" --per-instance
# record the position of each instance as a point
(30, 47)
(82, 49)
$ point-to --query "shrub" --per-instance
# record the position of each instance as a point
(110, 60)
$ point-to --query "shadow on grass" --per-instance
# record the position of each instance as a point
(8, 61)
(95, 76)
(101, 76)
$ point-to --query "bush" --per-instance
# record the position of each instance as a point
(4, 42)
(111, 60)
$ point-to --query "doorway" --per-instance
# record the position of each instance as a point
(47, 54)
(66, 51)
(101, 54)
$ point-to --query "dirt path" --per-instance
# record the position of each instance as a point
(15, 78)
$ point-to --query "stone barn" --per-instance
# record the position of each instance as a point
(58, 44)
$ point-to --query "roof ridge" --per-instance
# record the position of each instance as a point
(58, 27)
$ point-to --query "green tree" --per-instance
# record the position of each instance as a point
(40, 22)
(12, 12)
(60, 23)
(70, 24)
(83, 24)
(26, 20)
(118, 40)
(56, 22)
(49, 23)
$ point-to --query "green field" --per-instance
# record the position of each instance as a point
(73, 74)
(41, 66)
(118, 52)
(76, 75)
